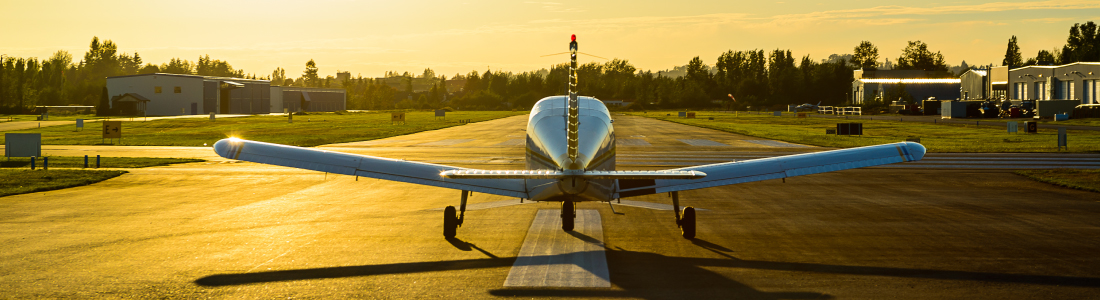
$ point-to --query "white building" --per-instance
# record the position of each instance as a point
(175, 94)
(1077, 81)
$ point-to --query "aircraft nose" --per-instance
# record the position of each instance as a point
(227, 147)
(916, 150)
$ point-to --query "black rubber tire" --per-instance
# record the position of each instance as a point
(687, 222)
(568, 213)
(450, 222)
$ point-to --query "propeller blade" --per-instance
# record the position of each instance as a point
(554, 54)
(592, 55)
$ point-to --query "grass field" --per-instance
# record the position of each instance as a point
(13, 182)
(105, 162)
(1088, 180)
(936, 137)
(306, 130)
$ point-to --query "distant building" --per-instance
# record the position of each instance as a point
(872, 84)
(615, 103)
(295, 99)
(1076, 81)
(984, 84)
(175, 94)
(129, 104)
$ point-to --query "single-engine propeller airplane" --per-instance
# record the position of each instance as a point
(807, 106)
(570, 158)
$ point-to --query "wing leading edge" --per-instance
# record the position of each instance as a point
(363, 165)
(776, 168)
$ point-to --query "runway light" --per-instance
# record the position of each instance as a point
(573, 37)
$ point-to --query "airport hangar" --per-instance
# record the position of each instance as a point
(872, 84)
(175, 94)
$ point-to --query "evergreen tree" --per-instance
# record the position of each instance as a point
(309, 76)
(104, 108)
(1083, 44)
(1012, 55)
(1045, 58)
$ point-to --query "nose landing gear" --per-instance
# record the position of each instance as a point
(568, 214)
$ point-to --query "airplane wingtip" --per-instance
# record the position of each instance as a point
(225, 147)
(916, 150)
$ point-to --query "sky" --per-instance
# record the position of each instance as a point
(368, 38)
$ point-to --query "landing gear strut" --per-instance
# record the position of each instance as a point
(686, 221)
(450, 221)
(568, 213)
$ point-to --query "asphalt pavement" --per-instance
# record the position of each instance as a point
(225, 229)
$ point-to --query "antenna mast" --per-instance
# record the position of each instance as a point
(574, 106)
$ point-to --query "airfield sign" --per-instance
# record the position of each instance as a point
(397, 117)
(112, 129)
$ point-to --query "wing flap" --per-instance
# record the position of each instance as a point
(363, 165)
(554, 174)
(779, 167)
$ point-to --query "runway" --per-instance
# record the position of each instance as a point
(244, 230)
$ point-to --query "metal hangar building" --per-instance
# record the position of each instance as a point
(176, 94)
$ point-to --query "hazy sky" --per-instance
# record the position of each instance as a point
(371, 37)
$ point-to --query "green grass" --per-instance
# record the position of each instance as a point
(307, 130)
(1088, 180)
(936, 137)
(105, 162)
(14, 182)
(1070, 122)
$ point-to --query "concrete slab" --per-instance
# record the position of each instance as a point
(551, 257)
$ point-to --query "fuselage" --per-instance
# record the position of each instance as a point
(547, 147)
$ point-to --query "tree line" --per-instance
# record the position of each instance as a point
(58, 80)
(1082, 45)
(737, 79)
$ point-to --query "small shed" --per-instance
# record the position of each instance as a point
(129, 104)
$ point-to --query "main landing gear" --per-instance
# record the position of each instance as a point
(568, 214)
(450, 221)
(686, 221)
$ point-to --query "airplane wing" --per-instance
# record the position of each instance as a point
(775, 168)
(363, 165)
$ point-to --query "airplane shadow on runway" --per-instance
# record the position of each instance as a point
(467, 246)
(648, 275)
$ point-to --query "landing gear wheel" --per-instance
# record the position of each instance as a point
(687, 223)
(568, 213)
(450, 222)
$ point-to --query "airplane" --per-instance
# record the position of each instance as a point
(570, 158)
(807, 107)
